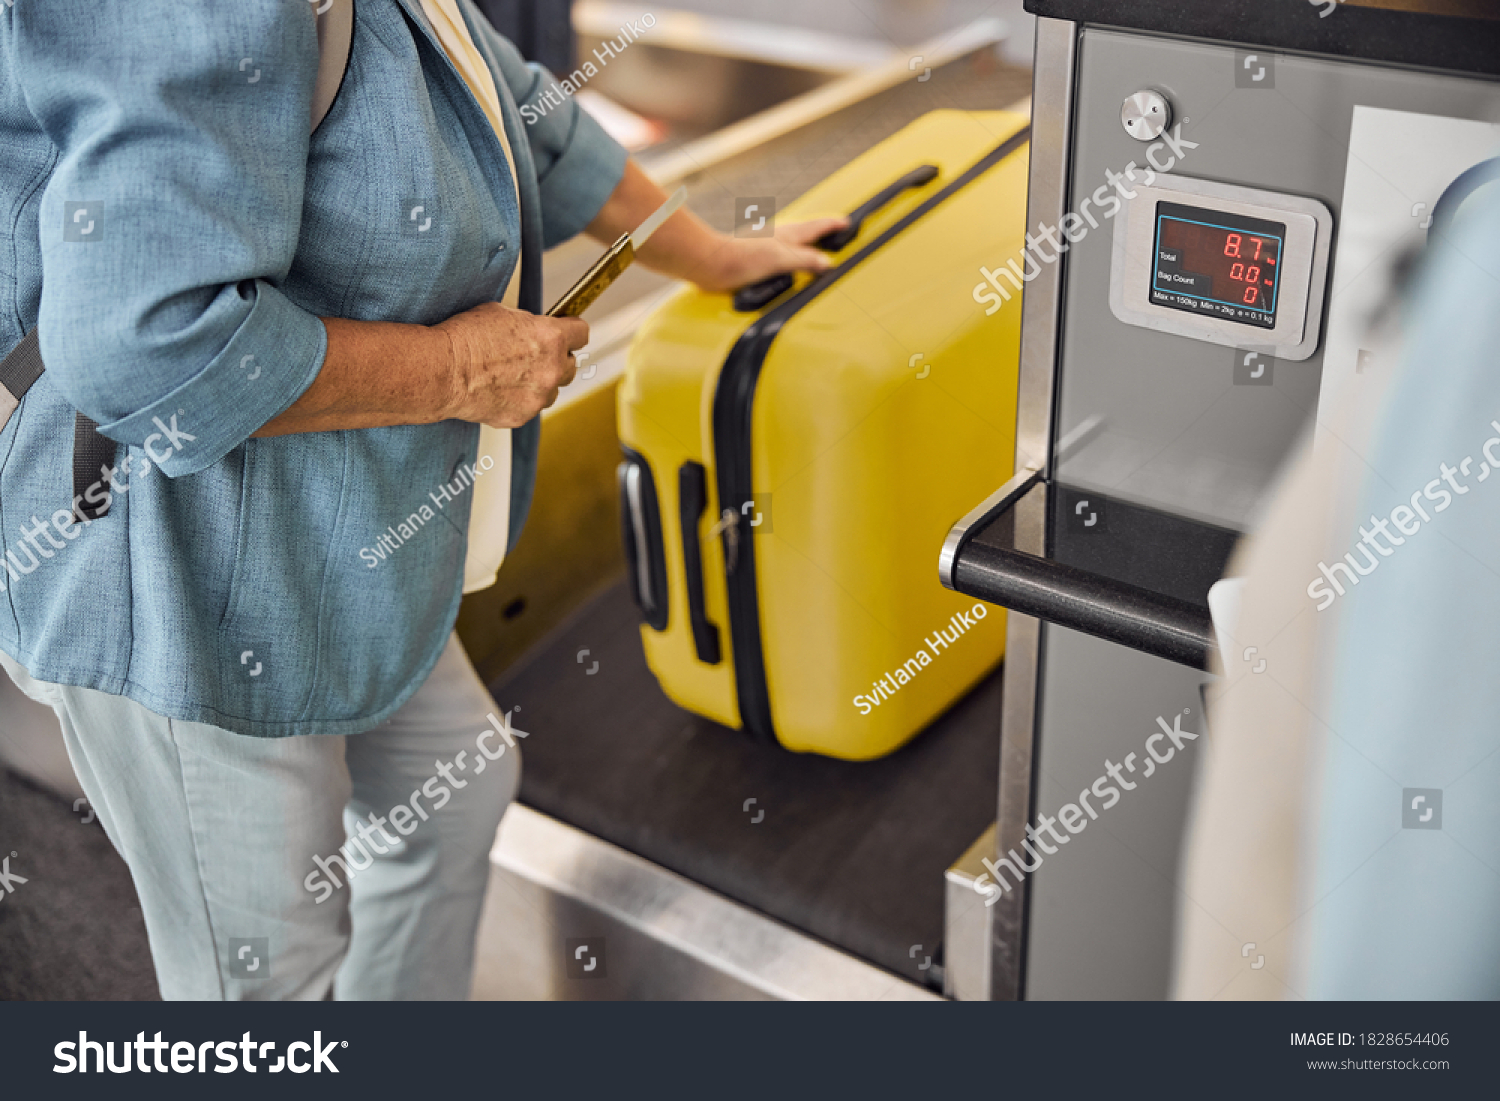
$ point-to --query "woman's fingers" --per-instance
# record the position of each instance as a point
(805, 233)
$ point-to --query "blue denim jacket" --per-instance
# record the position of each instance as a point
(155, 162)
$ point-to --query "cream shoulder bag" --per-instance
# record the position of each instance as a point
(489, 515)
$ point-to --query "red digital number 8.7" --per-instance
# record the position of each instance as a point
(1232, 246)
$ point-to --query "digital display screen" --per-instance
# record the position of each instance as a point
(1219, 265)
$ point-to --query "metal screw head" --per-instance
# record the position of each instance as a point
(1145, 115)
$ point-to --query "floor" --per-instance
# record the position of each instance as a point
(73, 930)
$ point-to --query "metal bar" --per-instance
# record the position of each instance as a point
(1088, 602)
(980, 515)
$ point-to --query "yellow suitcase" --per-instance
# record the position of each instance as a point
(791, 470)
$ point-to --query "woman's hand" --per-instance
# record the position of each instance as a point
(509, 364)
(685, 246)
(739, 261)
(488, 365)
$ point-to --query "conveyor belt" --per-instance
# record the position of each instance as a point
(851, 853)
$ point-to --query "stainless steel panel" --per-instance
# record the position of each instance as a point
(1179, 435)
(1051, 133)
(653, 934)
(1047, 195)
(1102, 906)
(966, 924)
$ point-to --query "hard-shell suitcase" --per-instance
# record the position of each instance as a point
(791, 468)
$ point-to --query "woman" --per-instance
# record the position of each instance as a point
(294, 339)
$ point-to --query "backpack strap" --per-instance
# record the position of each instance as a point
(17, 372)
(93, 452)
(93, 455)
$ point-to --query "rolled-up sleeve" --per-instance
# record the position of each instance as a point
(578, 165)
(173, 212)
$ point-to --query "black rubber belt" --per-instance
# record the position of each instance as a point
(734, 399)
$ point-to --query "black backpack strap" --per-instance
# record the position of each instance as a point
(93, 454)
(17, 372)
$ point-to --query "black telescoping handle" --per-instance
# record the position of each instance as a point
(756, 295)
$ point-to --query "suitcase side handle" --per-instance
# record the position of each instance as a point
(641, 521)
(692, 499)
(752, 297)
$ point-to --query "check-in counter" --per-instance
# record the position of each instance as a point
(1218, 192)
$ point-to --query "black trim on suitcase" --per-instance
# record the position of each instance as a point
(734, 401)
(692, 499)
(640, 517)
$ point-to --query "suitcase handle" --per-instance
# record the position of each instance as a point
(752, 297)
(641, 520)
(836, 239)
(692, 499)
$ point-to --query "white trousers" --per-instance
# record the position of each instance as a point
(272, 868)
